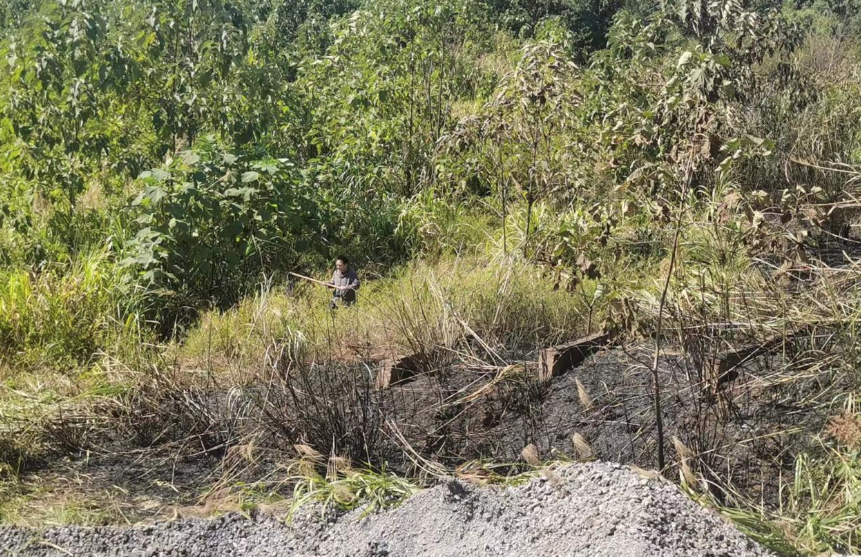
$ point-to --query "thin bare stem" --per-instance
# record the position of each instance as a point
(656, 384)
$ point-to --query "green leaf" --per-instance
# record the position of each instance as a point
(723, 60)
(269, 167)
(244, 193)
(250, 176)
(189, 158)
(685, 58)
(155, 193)
(161, 175)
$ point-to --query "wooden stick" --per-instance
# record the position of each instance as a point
(315, 281)
(320, 282)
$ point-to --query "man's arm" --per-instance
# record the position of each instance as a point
(354, 281)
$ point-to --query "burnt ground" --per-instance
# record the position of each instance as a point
(180, 453)
(748, 431)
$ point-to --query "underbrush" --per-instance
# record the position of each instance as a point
(280, 370)
(818, 509)
(692, 186)
(422, 308)
(63, 318)
(787, 321)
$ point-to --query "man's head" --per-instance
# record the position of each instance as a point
(342, 264)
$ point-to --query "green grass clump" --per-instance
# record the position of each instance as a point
(62, 318)
(346, 488)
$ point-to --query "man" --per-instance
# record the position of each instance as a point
(345, 281)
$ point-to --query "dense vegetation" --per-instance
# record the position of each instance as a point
(685, 170)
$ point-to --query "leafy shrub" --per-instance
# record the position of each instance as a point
(586, 21)
(212, 222)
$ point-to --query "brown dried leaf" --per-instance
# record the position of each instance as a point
(583, 395)
(584, 451)
(530, 455)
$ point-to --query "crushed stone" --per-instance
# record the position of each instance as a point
(594, 509)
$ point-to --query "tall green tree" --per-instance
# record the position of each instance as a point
(63, 81)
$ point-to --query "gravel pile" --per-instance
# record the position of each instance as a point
(594, 510)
